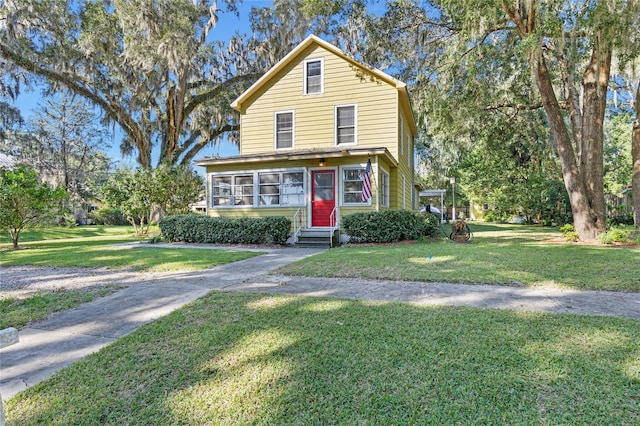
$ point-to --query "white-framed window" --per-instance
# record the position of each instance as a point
(351, 185)
(346, 124)
(401, 136)
(283, 126)
(262, 188)
(281, 188)
(232, 190)
(409, 151)
(314, 76)
(384, 188)
(404, 192)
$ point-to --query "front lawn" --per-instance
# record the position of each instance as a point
(499, 254)
(19, 312)
(234, 358)
(62, 232)
(92, 247)
(106, 250)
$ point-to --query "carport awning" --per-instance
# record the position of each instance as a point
(433, 192)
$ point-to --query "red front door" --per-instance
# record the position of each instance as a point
(322, 197)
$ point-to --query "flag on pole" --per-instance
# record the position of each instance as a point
(366, 183)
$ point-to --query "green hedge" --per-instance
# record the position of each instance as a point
(192, 228)
(389, 226)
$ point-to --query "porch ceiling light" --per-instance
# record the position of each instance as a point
(322, 162)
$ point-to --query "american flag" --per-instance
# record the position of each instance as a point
(366, 183)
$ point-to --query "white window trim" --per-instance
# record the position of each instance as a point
(355, 125)
(293, 129)
(256, 187)
(401, 136)
(304, 81)
(232, 191)
(385, 197)
(404, 192)
(281, 171)
(341, 183)
(409, 154)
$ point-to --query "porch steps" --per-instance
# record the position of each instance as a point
(316, 238)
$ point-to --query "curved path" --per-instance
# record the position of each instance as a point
(49, 345)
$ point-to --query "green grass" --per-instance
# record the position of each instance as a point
(499, 254)
(238, 359)
(106, 250)
(60, 232)
(19, 312)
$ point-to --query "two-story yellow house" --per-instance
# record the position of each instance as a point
(308, 128)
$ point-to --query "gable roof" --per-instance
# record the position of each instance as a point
(314, 40)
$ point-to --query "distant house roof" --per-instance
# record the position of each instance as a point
(7, 161)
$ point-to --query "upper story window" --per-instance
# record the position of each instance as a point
(313, 76)
(284, 130)
(346, 118)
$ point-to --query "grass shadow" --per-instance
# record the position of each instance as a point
(264, 359)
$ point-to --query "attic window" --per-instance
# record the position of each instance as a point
(313, 70)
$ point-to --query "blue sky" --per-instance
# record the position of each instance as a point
(228, 24)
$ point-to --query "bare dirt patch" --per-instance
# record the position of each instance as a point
(22, 281)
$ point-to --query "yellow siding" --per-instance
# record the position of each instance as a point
(401, 192)
(380, 111)
(253, 212)
(344, 84)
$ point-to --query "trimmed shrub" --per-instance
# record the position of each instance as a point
(278, 229)
(432, 223)
(614, 235)
(192, 228)
(569, 233)
(388, 226)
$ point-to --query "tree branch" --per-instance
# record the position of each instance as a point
(111, 108)
(215, 91)
(203, 142)
(519, 107)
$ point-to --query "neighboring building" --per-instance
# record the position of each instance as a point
(8, 161)
(308, 127)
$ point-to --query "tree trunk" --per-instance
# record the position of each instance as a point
(635, 155)
(584, 221)
(595, 83)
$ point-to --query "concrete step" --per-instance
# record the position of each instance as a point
(320, 238)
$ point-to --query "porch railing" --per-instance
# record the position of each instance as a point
(298, 223)
(334, 223)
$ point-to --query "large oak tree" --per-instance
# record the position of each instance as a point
(152, 67)
(515, 56)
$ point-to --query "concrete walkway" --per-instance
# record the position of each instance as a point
(50, 345)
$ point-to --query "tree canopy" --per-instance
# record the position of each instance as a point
(154, 68)
(466, 59)
(25, 202)
(144, 192)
